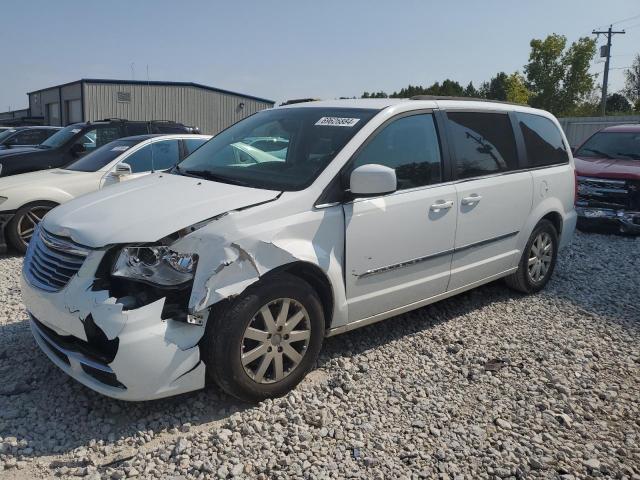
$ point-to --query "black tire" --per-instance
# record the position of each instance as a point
(521, 280)
(222, 344)
(14, 238)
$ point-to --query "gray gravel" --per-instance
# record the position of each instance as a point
(490, 384)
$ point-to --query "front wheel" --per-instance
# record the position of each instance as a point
(21, 227)
(538, 260)
(263, 343)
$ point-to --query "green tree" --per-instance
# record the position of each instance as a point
(517, 91)
(450, 88)
(618, 103)
(496, 89)
(632, 82)
(558, 77)
(471, 91)
(379, 94)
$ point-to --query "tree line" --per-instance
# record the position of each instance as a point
(556, 78)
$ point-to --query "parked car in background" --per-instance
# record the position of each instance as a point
(77, 140)
(26, 198)
(235, 267)
(608, 168)
(25, 136)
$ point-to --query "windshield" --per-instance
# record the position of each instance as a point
(101, 156)
(61, 136)
(615, 145)
(4, 134)
(280, 149)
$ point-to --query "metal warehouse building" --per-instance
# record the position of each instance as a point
(211, 109)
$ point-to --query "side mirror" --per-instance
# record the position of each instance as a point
(373, 179)
(122, 170)
(78, 149)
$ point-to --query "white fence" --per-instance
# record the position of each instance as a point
(578, 129)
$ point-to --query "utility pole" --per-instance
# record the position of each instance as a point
(607, 53)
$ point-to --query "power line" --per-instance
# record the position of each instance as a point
(621, 21)
(607, 52)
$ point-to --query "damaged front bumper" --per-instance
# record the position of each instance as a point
(623, 220)
(124, 353)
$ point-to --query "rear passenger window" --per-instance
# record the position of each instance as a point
(542, 140)
(157, 156)
(410, 146)
(484, 143)
(192, 144)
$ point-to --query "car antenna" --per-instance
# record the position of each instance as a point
(148, 87)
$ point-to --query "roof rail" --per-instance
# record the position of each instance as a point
(298, 100)
(113, 119)
(468, 99)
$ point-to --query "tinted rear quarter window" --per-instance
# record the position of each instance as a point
(483, 143)
(543, 141)
(162, 127)
(136, 128)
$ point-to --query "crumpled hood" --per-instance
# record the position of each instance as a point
(147, 209)
(608, 168)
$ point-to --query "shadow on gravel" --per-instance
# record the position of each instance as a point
(55, 414)
(372, 336)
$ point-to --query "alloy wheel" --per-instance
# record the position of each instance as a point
(540, 257)
(28, 222)
(275, 340)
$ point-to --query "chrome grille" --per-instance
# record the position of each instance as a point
(603, 192)
(51, 261)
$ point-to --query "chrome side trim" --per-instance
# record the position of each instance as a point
(74, 357)
(485, 242)
(414, 261)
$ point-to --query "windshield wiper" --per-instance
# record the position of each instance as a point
(635, 156)
(598, 152)
(42, 146)
(207, 175)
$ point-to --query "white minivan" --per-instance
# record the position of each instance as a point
(295, 224)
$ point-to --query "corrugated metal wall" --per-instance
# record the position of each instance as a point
(578, 129)
(210, 110)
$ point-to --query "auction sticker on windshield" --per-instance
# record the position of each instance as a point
(337, 121)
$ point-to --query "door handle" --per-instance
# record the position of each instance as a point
(442, 205)
(470, 200)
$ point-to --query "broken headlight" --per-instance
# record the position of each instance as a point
(158, 265)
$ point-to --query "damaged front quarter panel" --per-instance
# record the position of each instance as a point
(235, 251)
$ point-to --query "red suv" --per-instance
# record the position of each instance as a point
(608, 169)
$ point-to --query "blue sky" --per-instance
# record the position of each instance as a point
(290, 49)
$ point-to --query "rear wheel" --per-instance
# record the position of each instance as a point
(538, 260)
(21, 227)
(263, 343)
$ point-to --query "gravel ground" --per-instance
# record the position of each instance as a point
(490, 384)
